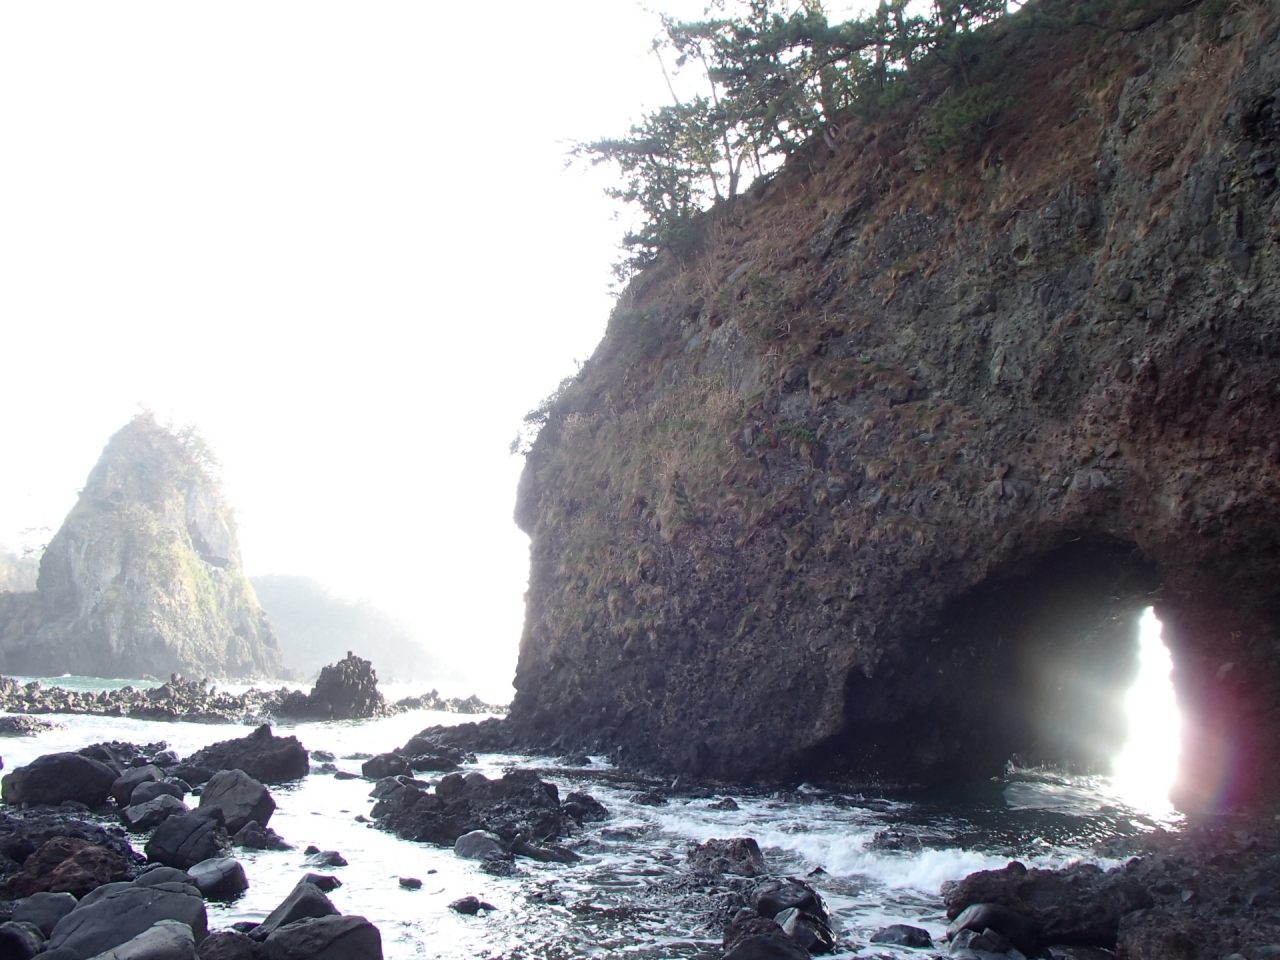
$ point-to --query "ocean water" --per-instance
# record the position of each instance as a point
(882, 858)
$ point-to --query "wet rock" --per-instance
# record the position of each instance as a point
(433, 762)
(740, 856)
(517, 803)
(144, 816)
(23, 726)
(124, 785)
(478, 845)
(57, 777)
(44, 910)
(470, 905)
(496, 867)
(241, 798)
(166, 940)
(324, 756)
(184, 840)
(306, 900)
(650, 798)
(222, 878)
(117, 912)
(384, 765)
(903, 935)
(326, 882)
(159, 873)
(230, 945)
(1080, 905)
(344, 775)
(585, 808)
(411, 883)
(326, 938)
(1019, 929)
(574, 760)
(67, 865)
(808, 929)
(148, 791)
(346, 690)
(262, 755)
(767, 946)
(728, 803)
(20, 941)
(551, 853)
(254, 836)
(325, 858)
(747, 922)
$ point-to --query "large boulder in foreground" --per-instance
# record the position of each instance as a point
(144, 575)
(262, 755)
(56, 777)
(326, 938)
(117, 912)
(517, 804)
(164, 940)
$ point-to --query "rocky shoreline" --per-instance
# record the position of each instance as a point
(111, 823)
(347, 690)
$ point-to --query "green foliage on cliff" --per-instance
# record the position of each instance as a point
(772, 75)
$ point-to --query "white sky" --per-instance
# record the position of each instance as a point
(341, 240)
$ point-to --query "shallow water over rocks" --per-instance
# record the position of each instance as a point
(876, 860)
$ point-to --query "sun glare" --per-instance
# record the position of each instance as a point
(1145, 769)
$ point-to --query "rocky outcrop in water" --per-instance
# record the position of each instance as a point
(874, 484)
(144, 576)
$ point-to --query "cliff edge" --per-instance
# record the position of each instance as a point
(874, 485)
(144, 576)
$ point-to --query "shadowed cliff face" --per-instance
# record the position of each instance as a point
(822, 489)
(143, 577)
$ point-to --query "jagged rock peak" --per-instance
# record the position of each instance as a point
(144, 576)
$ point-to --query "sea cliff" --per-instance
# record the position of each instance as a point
(874, 484)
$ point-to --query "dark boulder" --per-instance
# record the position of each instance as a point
(411, 883)
(230, 945)
(325, 881)
(262, 755)
(585, 808)
(325, 858)
(550, 853)
(67, 865)
(304, 900)
(768, 946)
(773, 897)
(184, 840)
(903, 935)
(158, 873)
(57, 777)
(433, 762)
(1080, 905)
(165, 940)
(808, 929)
(44, 910)
(149, 790)
(384, 765)
(221, 878)
(740, 856)
(240, 797)
(253, 836)
(144, 816)
(518, 803)
(117, 912)
(20, 940)
(346, 690)
(746, 923)
(326, 938)
(470, 905)
(124, 785)
(1021, 931)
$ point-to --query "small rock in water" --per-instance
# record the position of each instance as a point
(384, 765)
(221, 878)
(325, 881)
(325, 858)
(478, 845)
(574, 760)
(24, 726)
(411, 883)
(903, 935)
(344, 775)
(324, 756)
(470, 906)
(584, 808)
(650, 798)
(728, 803)
(255, 837)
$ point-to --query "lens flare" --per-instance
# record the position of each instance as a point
(1144, 771)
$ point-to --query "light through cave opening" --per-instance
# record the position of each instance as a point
(1143, 773)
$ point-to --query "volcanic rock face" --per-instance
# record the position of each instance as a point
(144, 576)
(875, 483)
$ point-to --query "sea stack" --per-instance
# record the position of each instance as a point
(144, 576)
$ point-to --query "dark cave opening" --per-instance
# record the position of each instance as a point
(1031, 666)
